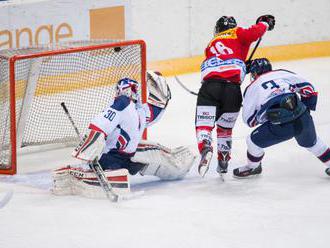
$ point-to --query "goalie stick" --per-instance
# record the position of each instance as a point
(70, 119)
(97, 169)
(106, 186)
(247, 61)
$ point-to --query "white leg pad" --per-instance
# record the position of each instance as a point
(78, 181)
(163, 162)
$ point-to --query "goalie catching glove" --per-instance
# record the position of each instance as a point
(159, 91)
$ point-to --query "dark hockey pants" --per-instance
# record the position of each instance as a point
(302, 129)
(226, 96)
(115, 161)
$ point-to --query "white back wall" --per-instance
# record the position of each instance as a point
(175, 28)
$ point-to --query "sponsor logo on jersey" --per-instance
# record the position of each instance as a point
(228, 64)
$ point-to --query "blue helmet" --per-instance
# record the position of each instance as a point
(260, 66)
(128, 87)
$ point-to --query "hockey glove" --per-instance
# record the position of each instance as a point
(248, 66)
(310, 102)
(91, 147)
(269, 19)
(159, 91)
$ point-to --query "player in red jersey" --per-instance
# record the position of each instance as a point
(219, 98)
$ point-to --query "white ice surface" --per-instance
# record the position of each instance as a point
(288, 206)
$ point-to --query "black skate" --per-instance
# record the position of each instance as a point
(206, 156)
(223, 162)
(246, 172)
(222, 167)
(327, 171)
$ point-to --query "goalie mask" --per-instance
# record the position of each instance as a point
(159, 91)
(128, 87)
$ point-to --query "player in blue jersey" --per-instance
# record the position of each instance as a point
(279, 101)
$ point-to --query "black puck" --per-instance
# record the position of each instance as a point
(117, 49)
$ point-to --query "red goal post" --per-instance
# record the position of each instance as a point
(34, 81)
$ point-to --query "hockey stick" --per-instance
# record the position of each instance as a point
(254, 50)
(95, 166)
(184, 87)
(106, 186)
(66, 111)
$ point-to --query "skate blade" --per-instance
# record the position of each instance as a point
(221, 174)
(204, 164)
(247, 177)
(202, 170)
(222, 177)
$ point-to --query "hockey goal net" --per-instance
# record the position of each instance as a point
(35, 81)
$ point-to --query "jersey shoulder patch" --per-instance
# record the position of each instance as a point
(120, 103)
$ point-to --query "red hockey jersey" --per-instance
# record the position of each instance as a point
(226, 53)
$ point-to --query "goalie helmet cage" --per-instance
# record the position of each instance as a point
(34, 81)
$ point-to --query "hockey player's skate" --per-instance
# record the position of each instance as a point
(327, 171)
(222, 169)
(223, 162)
(206, 156)
(246, 171)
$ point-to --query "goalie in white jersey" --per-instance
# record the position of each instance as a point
(280, 102)
(115, 140)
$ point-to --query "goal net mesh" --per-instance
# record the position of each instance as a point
(84, 80)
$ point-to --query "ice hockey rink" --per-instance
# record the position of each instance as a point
(287, 206)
